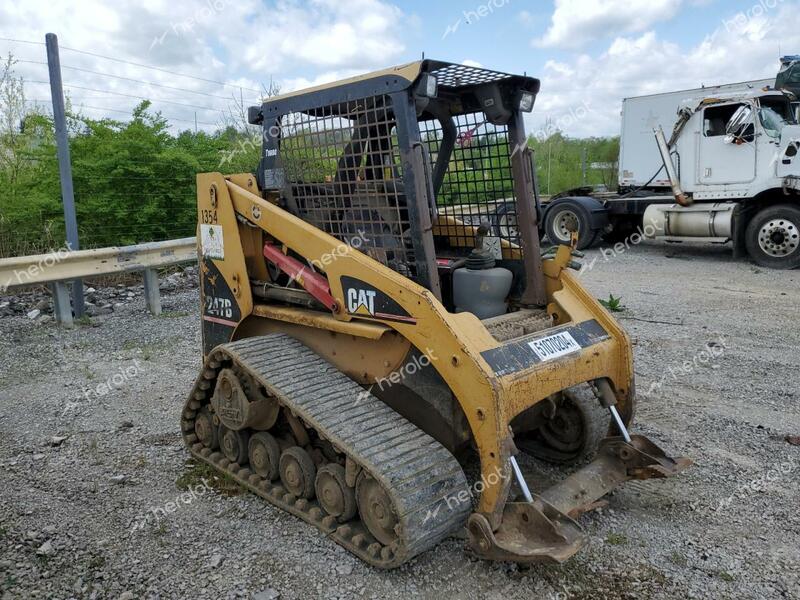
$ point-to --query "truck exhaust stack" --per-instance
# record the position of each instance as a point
(674, 180)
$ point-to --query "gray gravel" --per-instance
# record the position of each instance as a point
(90, 455)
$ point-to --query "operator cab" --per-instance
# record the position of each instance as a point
(415, 162)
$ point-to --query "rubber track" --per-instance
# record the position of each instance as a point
(422, 478)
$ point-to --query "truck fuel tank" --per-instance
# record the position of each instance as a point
(712, 222)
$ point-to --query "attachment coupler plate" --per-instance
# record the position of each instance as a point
(545, 530)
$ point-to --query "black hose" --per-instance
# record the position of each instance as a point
(640, 188)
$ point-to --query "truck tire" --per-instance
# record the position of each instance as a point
(505, 222)
(773, 237)
(564, 218)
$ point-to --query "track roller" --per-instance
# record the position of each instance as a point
(334, 495)
(205, 430)
(234, 444)
(298, 472)
(265, 454)
(376, 509)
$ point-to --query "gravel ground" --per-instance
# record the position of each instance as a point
(92, 463)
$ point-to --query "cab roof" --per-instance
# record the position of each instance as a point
(449, 76)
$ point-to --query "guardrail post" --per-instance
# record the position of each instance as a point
(62, 308)
(151, 294)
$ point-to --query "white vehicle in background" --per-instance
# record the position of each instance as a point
(730, 172)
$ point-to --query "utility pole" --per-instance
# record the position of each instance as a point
(64, 165)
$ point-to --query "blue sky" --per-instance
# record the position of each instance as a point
(589, 53)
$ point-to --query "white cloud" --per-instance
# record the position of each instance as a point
(244, 42)
(575, 23)
(526, 18)
(648, 64)
(301, 83)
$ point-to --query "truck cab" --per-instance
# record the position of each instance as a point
(730, 172)
(739, 147)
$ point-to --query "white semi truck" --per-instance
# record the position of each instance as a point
(730, 172)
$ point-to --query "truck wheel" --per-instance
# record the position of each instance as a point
(505, 222)
(565, 218)
(773, 237)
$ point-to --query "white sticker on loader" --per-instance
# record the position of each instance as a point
(555, 345)
(211, 241)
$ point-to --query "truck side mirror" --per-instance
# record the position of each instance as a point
(740, 128)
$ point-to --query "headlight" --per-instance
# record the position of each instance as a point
(428, 86)
(526, 102)
(431, 86)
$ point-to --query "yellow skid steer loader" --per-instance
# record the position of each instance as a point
(376, 310)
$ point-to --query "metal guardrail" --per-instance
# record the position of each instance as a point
(61, 266)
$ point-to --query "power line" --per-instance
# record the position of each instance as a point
(3, 39)
(127, 62)
(88, 89)
(167, 87)
(127, 112)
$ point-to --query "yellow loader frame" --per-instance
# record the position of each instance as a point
(457, 341)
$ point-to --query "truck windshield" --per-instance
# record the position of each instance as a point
(775, 114)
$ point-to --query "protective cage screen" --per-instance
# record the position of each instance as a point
(344, 176)
(478, 186)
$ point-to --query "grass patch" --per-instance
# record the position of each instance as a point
(200, 473)
(616, 539)
(173, 314)
(725, 576)
(87, 372)
(613, 304)
(84, 321)
(148, 351)
(678, 559)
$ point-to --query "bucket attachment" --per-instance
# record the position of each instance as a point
(617, 461)
(545, 530)
(529, 532)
